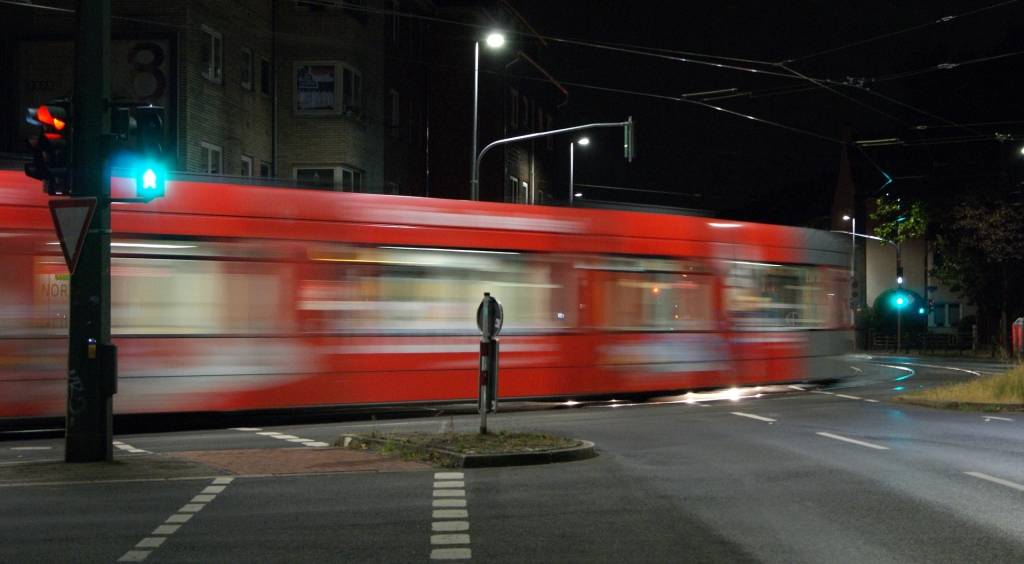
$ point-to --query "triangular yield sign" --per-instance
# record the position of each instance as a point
(71, 218)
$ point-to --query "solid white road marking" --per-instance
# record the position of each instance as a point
(999, 481)
(448, 475)
(847, 397)
(752, 416)
(450, 514)
(449, 503)
(991, 417)
(203, 498)
(222, 481)
(316, 444)
(449, 539)
(451, 554)
(854, 441)
(444, 526)
(284, 437)
(269, 433)
(449, 484)
(245, 429)
(449, 493)
(151, 542)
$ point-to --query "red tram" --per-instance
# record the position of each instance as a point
(232, 297)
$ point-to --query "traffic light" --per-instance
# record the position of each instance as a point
(628, 144)
(899, 274)
(149, 139)
(51, 151)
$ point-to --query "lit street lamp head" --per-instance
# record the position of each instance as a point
(584, 141)
(495, 40)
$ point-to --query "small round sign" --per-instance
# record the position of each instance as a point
(489, 316)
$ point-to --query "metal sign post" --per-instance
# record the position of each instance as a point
(489, 317)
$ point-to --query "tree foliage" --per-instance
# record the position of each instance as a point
(898, 222)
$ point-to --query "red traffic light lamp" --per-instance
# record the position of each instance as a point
(51, 151)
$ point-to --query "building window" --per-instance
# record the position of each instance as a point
(393, 189)
(246, 79)
(396, 111)
(353, 88)
(511, 189)
(212, 55)
(317, 88)
(211, 158)
(524, 193)
(265, 170)
(395, 21)
(316, 178)
(514, 106)
(351, 180)
(246, 166)
(265, 77)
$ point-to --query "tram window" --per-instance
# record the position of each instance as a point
(187, 294)
(433, 291)
(655, 295)
(766, 296)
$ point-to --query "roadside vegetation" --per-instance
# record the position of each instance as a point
(1005, 388)
(439, 448)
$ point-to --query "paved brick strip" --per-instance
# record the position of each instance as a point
(174, 522)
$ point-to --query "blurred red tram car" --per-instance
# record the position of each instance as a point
(236, 297)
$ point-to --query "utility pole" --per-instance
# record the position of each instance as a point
(92, 359)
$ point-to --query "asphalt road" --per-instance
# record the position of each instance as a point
(835, 474)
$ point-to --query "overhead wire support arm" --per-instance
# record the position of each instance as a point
(628, 143)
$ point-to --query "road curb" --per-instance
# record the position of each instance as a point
(584, 451)
(958, 405)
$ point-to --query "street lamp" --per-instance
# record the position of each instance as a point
(582, 141)
(853, 264)
(494, 40)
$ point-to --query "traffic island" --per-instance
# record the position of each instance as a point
(472, 450)
(1000, 392)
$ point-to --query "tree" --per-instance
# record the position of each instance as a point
(982, 249)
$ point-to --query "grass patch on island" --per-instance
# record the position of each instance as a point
(1007, 387)
(433, 447)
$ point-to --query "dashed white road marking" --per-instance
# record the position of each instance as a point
(159, 535)
(283, 437)
(32, 448)
(991, 417)
(821, 392)
(872, 401)
(448, 521)
(854, 441)
(999, 481)
(752, 416)
(129, 448)
(847, 397)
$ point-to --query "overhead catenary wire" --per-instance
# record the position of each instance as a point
(895, 33)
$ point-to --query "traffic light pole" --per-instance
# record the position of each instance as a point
(91, 358)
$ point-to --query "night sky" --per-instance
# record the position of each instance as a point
(709, 159)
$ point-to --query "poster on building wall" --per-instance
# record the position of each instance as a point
(314, 88)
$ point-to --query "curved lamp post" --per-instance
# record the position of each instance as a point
(582, 141)
(494, 40)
